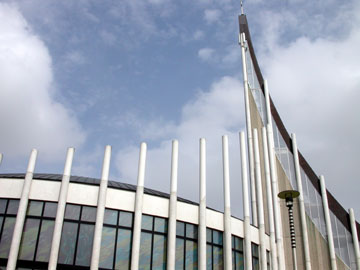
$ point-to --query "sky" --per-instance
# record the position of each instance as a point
(88, 73)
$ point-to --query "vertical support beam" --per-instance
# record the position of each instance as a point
(245, 188)
(138, 209)
(275, 191)
(202, 207)
(260, 204)
(328, 223)
(227, 211)
(269, 201)
(301, 205)
(21, 214)
(172, 207)
(249, 133)
(55, 244)
(354, 237)
(1, 158)
(95, 257)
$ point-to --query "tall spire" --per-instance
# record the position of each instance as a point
(241, 6)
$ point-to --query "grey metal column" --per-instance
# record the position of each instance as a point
(55, 244)
(354, 237)
(328, 223)
(135, 253)
(202, 207)
(301, 205)
(100, 209)
(21, 214)
(171, 248)
(245, 188)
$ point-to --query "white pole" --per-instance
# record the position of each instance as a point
(275, 191)
(269, 200)
(227, 211)
(1, 158)
(261, 218)
(100, 209)
(249, 133)
(55, 244)
(202, 207)
(328, 223)
(172, 207)
(245, 188)
(354, 237)
(21, 214)
(301, 205)
(138, 209)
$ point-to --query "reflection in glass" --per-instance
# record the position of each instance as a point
(28, 239)
(218, 258)
(145, 251)
(191, 231)
(123, 249)
(35, 208)
(13, 207)
(208, 235)
(6, 236)
(72, 212)
(217, 237)
(107, 247)
(180, 228)
(208, 257)
(179, 254)
(88, 214)
(126, 219)
(2, 205)
(159, 252)
(239, 261)
(110, 217)
(46, 233)
(160, 225)
(67, 244)
(85, 243)
(191, 256)
(146, 222)
(50, 209)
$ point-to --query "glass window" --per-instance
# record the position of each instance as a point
(28, 239)
(191, 256)
(107, 247)
(186, 246)
(85, 243)
(180, 228)
(191, 231)
(50, 209)
(13, 207)
(68, 243)
(160, 225)
(35, 208)
(88, 213)
(72, 211)
(146, 222)
(159, 252)
(45, 239)
(110, 217)
(179, 254)
(8, 229)
(145, 251)
(123, 249)
(217, 237)
(237, 253)
(126, 219)
(218, 258)
(3, 203)
(214, 249)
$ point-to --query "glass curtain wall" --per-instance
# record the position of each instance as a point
(186, 246)
(237, 253)
(214, 250)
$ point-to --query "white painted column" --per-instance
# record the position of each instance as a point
(249, 133)
(171, 248)
(275, 191)
(55, 244)
(354, 237)
(21, 214)
(138, 209)
(1, 158)
(304, 231)
(227, 211)
(269, 201)
(95, 257)
(260, 203)
(328, 223)
(245, 188)
(202, 207)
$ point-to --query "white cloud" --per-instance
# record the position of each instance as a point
(29, 115)
(206, 54)
(212, 15)
(198, 35)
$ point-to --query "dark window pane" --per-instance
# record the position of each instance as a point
(239, 261)
(46, 234)
(208, 235)
(123, 249)
(1, 222)
(254, 250)
(67, 244)
(180, 228)
(217, 237)
(126, 219)
(191, 231)
(85, 243)
(110, 217)
(6, 236)
(160, 225)
(13, 207)
(218, 258)
(238, 244)
(208, 257)
(50, 209)
(179, 255)
(255, 264)
(72, 212)
(159, 252)
(107, 247)
(145, 251)
(2, 205)
(191, 259)
(28, 239)
(88, 214)
(146, 222)
(35, 208)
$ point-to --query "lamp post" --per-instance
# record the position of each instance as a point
(288, 196)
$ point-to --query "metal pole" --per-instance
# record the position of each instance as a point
(354, 237)
(100, 211)
(135, 254)
(55, 244)
(202, 207)
(21, 214)
(1, 158)
(289, 204)
(328, 223)
(245, 187)
(260, 202)
(269, 201)
(249, 133)
(172, 207)
(301, 205)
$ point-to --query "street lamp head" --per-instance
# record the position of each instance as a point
(288, 194)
